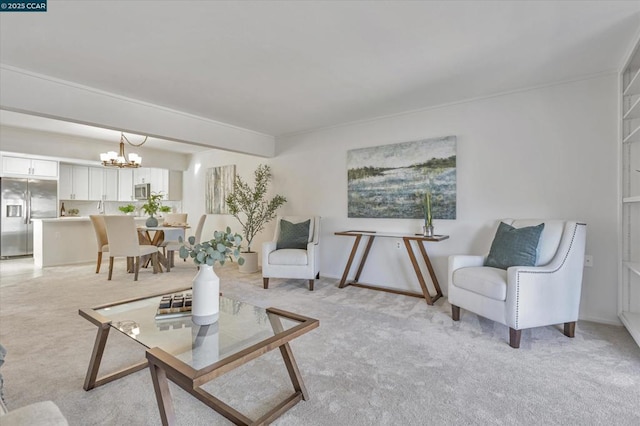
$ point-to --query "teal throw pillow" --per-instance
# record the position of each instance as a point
(293, 235)
(514, 246)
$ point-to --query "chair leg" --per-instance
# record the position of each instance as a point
(570, 329)
(169, 260)
(110, 267)
(310, 285)
(99, 262)
(455, 313)
(318, 275)
(136, 268)
(265, 282)
(514, 338)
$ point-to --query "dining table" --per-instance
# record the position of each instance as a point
(155, 235)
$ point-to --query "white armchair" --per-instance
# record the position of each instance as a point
(523, 297)
(293, 262)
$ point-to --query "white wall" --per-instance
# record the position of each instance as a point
(541, 153)
(194, 182)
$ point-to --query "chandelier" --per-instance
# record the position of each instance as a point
(115, 159)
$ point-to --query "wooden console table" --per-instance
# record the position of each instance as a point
(406, 238)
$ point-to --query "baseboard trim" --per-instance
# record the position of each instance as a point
(600, 320)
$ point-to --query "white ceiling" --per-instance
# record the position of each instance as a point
(281, 67)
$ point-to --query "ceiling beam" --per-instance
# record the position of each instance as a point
(37, 94)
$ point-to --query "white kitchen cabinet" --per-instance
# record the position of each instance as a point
(73, 183)
(103, 184)
(168, 182)
(141, 175)
(111, 184)
(159, 180)
(29, 167)
(125, 185)
(164, 181)
(629, 281)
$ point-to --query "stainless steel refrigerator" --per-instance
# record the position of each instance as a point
(23, 200)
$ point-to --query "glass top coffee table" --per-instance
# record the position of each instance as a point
(190, 355)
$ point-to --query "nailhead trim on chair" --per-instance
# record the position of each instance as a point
(547, 272)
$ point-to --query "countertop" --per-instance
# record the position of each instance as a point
(76, 219)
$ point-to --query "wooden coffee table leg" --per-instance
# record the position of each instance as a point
(294, 372)
(96, 356)
(289, 360)
(163, 395)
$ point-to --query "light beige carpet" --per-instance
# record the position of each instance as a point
(376, 359)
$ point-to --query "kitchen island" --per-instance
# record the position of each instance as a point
(65, 241)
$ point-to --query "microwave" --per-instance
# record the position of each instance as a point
(142, 191)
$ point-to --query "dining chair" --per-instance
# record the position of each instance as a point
(123, 242)
(101, 237)
(175, 218)
(171, 235)
(175, 245)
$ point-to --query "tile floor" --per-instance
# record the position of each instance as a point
(14, 271)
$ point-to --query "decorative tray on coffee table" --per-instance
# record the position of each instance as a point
(174, 306)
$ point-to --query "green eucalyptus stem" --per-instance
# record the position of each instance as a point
(223, 246)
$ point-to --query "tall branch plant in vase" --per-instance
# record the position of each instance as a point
(251, 206)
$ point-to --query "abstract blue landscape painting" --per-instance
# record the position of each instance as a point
(390, 181)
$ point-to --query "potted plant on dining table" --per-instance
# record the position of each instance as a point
(152, 207)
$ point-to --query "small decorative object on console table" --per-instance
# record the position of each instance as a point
(427, 229)
(206, 284)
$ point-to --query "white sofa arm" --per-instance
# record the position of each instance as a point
(465, 261)
(267, 247)
(541, 296)
(456, 262)
(548, 294)
(313, 254)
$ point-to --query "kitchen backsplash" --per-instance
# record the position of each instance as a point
(86, 208)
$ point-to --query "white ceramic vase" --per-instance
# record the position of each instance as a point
(205, 305)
